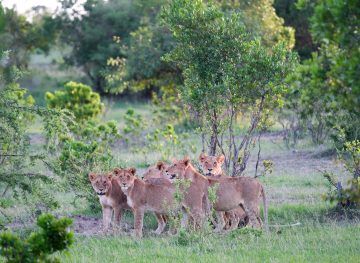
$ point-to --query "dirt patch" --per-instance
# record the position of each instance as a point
(90, 226)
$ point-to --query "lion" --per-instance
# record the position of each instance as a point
(146, 197)
(231, 192)
(212, 166)
(155, 171)
(110, 196)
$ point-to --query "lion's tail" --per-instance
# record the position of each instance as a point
(265, 209)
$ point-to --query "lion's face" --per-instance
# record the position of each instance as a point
(100, 182)
(155, 171)
(177, 169)
(125, 177)
(211, 165)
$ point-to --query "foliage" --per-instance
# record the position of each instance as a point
(22, 37)
(77, 98)
(39, 246)
(349, 196)
(88, 148)
(225, 72)
(142, 68)
(261, 21)
(91, 34)
(20, 175)
(296, 14)
(326, 86)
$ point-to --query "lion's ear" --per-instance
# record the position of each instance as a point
(116, 171)
(109, 176)
(220, 158)
(202, 157)
(160, 165)
(92, 176)
(174, 160)
(186, 161)
(132, 170)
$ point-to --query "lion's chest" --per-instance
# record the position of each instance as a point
(130, 202)
(105, 201)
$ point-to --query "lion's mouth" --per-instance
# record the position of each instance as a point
(124, 187)
(100, 193)
(173, 176)
(209, 174)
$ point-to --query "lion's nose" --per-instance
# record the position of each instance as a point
(210, 169)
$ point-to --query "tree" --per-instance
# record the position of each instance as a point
(22, 37)
(332, 74)
(261, 21)
(225, 72)
(297, 15)
(91, 35)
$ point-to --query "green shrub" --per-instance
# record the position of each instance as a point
(39, 246)
(346, 196)
(77, 98)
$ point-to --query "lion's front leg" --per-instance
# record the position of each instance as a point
(138, 222)
(117, 215)
(107, 213)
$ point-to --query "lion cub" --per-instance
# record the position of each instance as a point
(146, 197)
(212, 166)
(155, 171)
(110, 196)
(231, 192)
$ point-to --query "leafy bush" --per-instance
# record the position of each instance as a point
(350, 195)
(88, 147)
(20, 176)
(79, 99)
(39, 246)
(327, 85)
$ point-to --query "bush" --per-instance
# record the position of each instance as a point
(350, 195)
(39, 246)
(20, 176)
(79, 99)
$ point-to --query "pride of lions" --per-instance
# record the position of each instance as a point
(237, 199)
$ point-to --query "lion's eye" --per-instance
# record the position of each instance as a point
(214, 163)
(175, 165)
(128, 177)
(206, 162)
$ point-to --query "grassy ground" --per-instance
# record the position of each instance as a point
(320, 243)
(294, 192)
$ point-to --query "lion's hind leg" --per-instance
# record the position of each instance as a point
(161, 223)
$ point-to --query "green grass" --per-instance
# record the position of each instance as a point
(321, 243)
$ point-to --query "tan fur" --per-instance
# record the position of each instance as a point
(195, 197)
(110, 196)
(155, 171)
(231, 192)
(146, 197)
(212, 167)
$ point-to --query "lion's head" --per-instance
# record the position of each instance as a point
(125, 177)
(177, 169)
(155, 171)
(211, 165)
(100, 182)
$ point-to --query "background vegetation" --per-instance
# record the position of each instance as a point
(272, 85)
